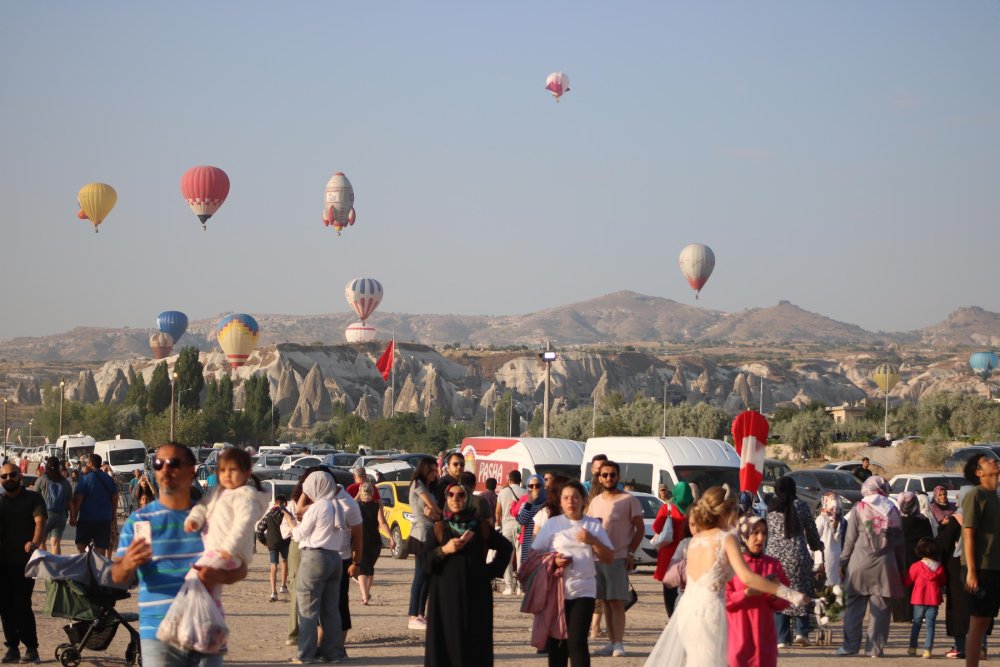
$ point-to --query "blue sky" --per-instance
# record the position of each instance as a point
(844, 156)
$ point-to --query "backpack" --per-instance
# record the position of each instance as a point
(261, 530)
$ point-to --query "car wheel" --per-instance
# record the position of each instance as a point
(399, 551)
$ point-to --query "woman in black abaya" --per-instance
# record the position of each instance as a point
(460, 608)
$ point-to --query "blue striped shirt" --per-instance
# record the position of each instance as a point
(174, 551)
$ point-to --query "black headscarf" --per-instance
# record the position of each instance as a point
(784, 502)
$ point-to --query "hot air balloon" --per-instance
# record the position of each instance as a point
(205, 189)
(359, 332)
(984, 363)
(557, 83)
(237, 335)
(697, 262)
(161, 344)
(338, 203)
(172, 322)
(96, 201)
(363, 295)
(886, 376)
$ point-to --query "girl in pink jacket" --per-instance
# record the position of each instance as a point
(926, 576)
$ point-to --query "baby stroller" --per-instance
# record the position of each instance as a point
(79, 588)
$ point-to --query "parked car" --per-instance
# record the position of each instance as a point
(392, 471)
(852, 466)
(398, 515)
(956, 460)
(879, 442)
(344, 460)
(278, 487)
(812, 485)
(646, 553)
(268, 462)
(903, 441)
(925, 483)
(300, 461)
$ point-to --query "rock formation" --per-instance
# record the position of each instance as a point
(115, 392)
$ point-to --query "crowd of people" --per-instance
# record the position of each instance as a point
(567, 547)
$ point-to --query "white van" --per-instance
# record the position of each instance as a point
(648, 462)
(123, 455)
(75, 447)
(495, 457)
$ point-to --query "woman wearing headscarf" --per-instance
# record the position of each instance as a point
(873, 560)
(531, 503)
(792, 539)
(828, 525)
(750, 614)
(325, 520)
(915, 526)
(924, 505)
(460, 608)
(674, 511)
(941, 508)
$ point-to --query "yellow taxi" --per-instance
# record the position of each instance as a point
(398, 515)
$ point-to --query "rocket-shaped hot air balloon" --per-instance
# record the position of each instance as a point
(205, 189)
(557, 83)
(237, 335)
(338, 203)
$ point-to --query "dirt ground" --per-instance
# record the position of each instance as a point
(380, 636)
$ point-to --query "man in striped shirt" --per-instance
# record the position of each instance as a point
(164, 560)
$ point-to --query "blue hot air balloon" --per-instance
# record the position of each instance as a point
(984, 363)
(172, 322)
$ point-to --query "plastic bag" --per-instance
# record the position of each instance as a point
(665, 537)
(194, 622)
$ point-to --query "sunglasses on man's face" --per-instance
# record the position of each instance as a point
(608, 474)
(9, 475)
(173, 463)
(457, 464)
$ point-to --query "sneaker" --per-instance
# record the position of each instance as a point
(607, 649)
(926, 654)
(291, 642)
(782, 645)
(508, 591)
(416, 624)
(802, 640)
(841, 652)
(911, 651)
(955, 654)
(618, 651)
(12, 655)
(283, 590)
(304, 661)
(30, 656)
(273, 598)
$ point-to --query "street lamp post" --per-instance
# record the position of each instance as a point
(4, 419)
(173, 383)
(62, 394)
(547, 357)
(30, 422)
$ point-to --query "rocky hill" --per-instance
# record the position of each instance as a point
(620, 318)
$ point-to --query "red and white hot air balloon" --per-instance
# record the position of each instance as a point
(360, 333)
(338, 203)
(363, 295)
(205, 189)
(557, 83)
(697, 262)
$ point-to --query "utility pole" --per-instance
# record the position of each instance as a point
(548, 356)
(173, 382)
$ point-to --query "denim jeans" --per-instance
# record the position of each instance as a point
(782, 623)
(420, 588)
(155, 652)
(317, 588)
(920, 614)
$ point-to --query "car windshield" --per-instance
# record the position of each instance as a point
(74, 453)
(706, 477)
(270, 461)
(650, 506)
(120, 457)
(203, 454)
(842, 481)
(949, 483)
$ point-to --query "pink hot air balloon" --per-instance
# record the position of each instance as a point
(697, 262)
(205, 189)
(557, 83)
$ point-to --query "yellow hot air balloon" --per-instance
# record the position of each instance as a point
(886, 376)
(96, 200)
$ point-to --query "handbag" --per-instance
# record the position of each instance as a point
(633, 597)
(665, 537)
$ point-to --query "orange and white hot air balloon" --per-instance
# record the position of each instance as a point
(557, 83)
(697, 262)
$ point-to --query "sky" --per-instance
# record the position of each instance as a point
(844, 156)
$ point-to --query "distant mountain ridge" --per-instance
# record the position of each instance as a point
(619, 318)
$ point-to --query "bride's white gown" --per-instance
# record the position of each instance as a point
(697, 632)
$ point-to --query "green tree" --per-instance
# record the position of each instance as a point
(136, 394)
(508, 424)
(808, 432)
(218, 410)
(351, 430)
(257, 408)
(158, 391)
(190, 378)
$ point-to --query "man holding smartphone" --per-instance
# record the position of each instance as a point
(155, 545)
(981, 549)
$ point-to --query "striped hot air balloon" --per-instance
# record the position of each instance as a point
(557, 83)
(237, 335)
(205, 189)
(363, 295)
(360, 333)
(886, 376)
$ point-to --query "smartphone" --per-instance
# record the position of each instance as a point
(466, 536)
(144, 530)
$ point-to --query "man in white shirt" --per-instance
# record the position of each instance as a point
(508, 495)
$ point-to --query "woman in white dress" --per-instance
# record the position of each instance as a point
(696, 634)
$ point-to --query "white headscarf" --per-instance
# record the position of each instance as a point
(322, 489)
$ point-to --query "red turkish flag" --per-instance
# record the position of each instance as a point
(384, 363)
(750, 430)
